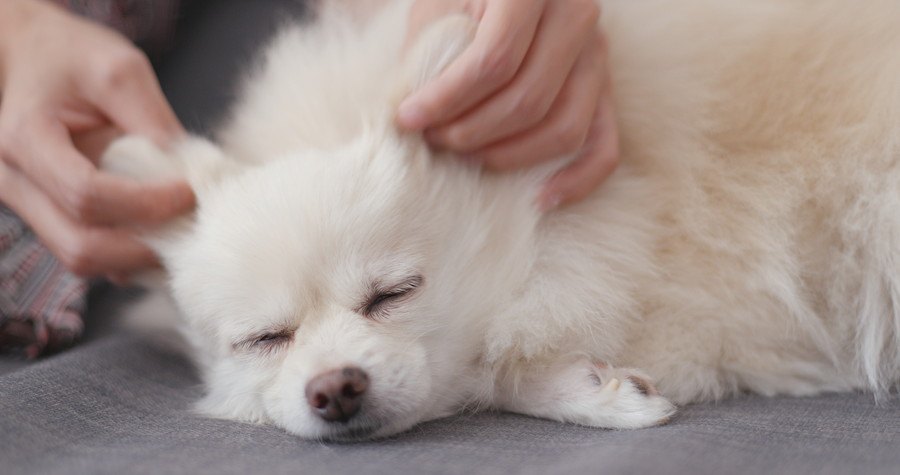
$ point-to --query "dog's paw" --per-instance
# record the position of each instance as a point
(625, 399)
(583, 392)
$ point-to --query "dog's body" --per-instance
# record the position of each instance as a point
(749, 241)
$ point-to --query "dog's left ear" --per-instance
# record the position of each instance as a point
(433, 50)
(201, 163)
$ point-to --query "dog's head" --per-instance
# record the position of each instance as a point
(331, 292)
(316, 290)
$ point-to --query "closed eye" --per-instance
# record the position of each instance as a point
(381, 300)
(266, 343)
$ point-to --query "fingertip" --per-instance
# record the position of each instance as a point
(581, 178)
(185, 199)
(551, 197)
(149, 261)
(139, 258)
(551, 202)
(169, 200)
(181, 200)
(412, 116)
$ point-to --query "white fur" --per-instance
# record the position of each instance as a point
(749, 241)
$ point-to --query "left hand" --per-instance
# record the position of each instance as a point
(68, 87)
(533, 86)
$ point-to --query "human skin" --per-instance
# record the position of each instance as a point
(533, 86)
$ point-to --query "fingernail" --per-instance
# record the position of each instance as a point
(551, 202)
(411, 116)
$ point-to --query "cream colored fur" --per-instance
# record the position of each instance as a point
(750, 240)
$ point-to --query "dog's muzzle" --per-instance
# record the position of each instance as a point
(337, 395)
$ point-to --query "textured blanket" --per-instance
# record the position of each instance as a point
(40, 302)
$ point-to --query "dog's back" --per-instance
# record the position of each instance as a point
(768, 131)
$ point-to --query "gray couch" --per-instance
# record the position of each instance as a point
(120, 402)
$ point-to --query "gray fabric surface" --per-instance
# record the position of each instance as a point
(8, 365)
(121, 403)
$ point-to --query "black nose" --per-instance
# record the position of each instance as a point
(337, 395)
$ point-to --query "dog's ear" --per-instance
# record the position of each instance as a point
(196, 160)
(434, 49)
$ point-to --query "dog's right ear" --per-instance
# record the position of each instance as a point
(435, 47)
(198, 161)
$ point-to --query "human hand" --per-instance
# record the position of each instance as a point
(69, 86)
(533, 86)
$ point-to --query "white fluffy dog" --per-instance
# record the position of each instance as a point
(342, 281)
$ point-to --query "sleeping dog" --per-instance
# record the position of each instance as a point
(341, 280)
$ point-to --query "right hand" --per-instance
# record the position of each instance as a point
(68, 84)
(533, 86)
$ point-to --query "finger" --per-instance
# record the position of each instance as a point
(565, 129)
(111, 200)
(87, 252)
(49, 159)
(564, 36)
(504, 35)
(94, 142)
(134, 102)
(593, 166)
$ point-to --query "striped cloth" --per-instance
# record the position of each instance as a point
(41, 304)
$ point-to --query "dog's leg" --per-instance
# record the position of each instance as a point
(584, 392)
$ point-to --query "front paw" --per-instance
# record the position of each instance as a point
(582, 392)
(626, 399)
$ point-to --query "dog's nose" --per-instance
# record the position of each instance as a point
(337, 395)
